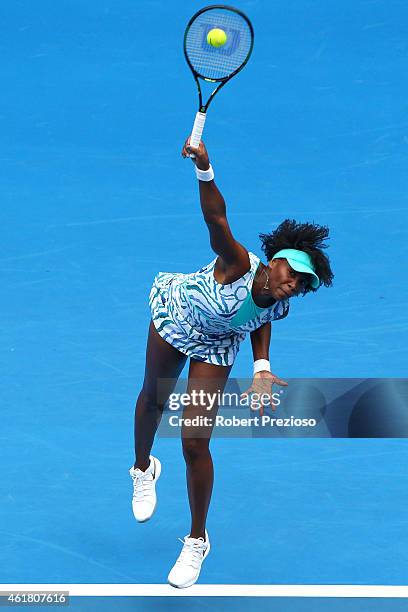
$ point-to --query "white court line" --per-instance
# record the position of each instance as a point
(216, 590)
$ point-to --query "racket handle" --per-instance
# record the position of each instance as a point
(197, 132)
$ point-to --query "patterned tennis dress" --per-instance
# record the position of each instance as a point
(204, 319)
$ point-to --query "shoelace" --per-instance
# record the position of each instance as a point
(142, 485)
(192, 553)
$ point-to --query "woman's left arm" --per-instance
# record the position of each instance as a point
(260, 341)
(264, 379)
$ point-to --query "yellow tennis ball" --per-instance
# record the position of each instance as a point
(216, 37)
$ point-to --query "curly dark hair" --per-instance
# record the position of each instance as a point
(307, 237)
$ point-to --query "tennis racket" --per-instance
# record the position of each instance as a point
(216, 64)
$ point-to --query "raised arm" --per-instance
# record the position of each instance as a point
(231, 252)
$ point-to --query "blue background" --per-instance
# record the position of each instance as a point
(95, 200)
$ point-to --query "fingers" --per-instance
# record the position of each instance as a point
(263, 390)
(264, 398)
(188, 149)
(273, 406)
(280, 381)
(248, 391)
(262, 386)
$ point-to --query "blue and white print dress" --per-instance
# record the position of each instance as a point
(204, 319)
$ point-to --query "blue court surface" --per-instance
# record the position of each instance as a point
(96, 199)
(257, 604)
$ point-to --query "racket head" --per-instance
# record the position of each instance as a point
(218, 63)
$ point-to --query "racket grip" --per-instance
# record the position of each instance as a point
(197, 132)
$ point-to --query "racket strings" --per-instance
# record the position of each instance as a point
(218, 62)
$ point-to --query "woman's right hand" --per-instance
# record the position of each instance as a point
(201, 158)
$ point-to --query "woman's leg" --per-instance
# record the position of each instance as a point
(195, 440)
(163, 361)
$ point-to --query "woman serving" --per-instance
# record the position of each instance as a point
(204, 316)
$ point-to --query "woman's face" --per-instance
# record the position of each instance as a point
(284, 281)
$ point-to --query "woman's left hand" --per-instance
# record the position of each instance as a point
(262, 385)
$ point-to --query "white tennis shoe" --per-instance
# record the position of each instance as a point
(186, 570)
(144, 490)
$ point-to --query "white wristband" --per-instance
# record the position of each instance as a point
(261, 365)
(205, 175)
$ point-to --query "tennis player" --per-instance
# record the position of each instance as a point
(204, 316)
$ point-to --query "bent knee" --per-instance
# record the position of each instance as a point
(195, 448)
(149, 400)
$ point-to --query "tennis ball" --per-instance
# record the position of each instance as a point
(216, 37)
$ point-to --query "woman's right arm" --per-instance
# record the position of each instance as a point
(231, 252)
